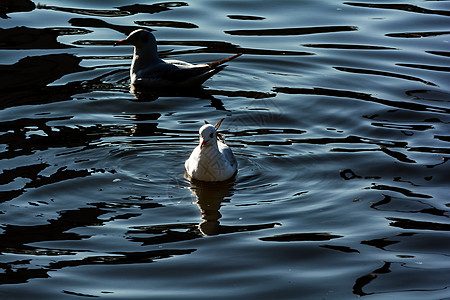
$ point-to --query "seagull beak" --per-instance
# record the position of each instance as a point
(122, 42)
(202, 144)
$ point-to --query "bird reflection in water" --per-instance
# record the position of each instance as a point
(144, 94)
(210, 196)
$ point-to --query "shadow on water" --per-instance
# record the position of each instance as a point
(26, 82)
(120, 11)
(292, 31)
(386, 270)
(24, 137)
(18, 38)
(301, 237)
(11, 6)
(226, 47)
(97, 23)
(14, 239)
(39, 71)
(403, 7)
(383, 73)
(366, 279)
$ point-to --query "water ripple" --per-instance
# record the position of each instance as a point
(402, 7)
(291, 31)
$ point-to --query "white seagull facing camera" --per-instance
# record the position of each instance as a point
(148, 70)
(212, 159)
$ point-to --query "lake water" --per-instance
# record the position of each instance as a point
(338, 113)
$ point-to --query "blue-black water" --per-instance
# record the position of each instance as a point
(338, 113)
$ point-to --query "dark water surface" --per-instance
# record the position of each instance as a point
(338, 114)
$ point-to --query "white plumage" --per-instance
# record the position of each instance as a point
(212, 159)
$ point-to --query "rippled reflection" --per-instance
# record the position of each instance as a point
(210, 197)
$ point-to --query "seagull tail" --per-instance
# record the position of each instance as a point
(222, 61)
(200, 79)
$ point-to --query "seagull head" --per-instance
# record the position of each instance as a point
(141, 39)
(208, 136)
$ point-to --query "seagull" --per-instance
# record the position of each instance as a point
(148, 70)
(212, 159)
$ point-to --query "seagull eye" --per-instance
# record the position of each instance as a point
(211, 135)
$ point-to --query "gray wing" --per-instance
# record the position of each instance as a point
(226, 151)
